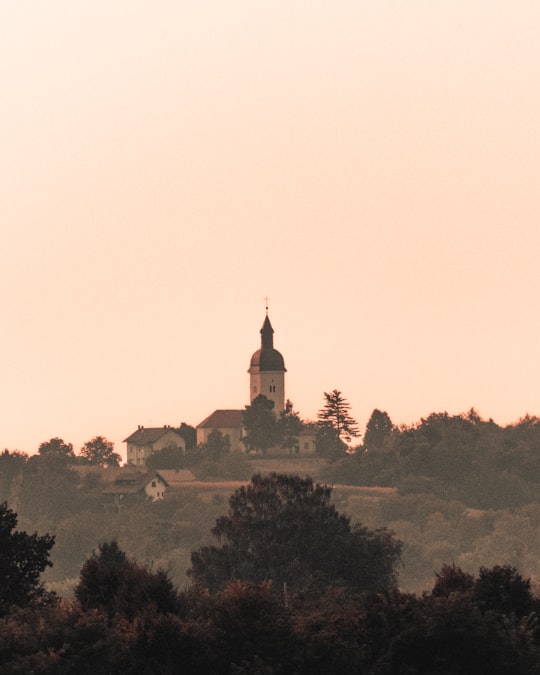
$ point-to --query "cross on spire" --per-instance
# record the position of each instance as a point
(266, 299)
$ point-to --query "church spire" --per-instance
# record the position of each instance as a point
(267, 334)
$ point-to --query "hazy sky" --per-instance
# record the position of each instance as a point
(374, 167)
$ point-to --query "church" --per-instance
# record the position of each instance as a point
(266, 376)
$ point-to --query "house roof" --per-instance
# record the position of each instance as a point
(146, 435)
(223, 419)
(309, 428)
(176, 477)
(130, 482)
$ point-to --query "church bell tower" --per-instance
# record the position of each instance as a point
(267, 369)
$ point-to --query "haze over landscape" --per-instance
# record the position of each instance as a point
(372, 167)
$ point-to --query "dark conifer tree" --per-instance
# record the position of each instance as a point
(336, 412)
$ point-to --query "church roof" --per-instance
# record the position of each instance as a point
(267, 358)
(223, 419)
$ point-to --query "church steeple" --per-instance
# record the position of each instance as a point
(267, 334)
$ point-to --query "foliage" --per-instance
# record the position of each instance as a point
(234, 466)
(47, 489)
(112, 583)
(283, 528)
(217, 446)
(23, 557)
(261, 425)
(251, 629)
(100, 452)
(329, 626)
(59, 639)
(55, 447)
(457, 457)
(11, 465)
(169, 457)
(447, 635)
(189, 434)
(289, 427)
(378, 428)
(328, 443)
(504, 590)
(265, 430)
(336, 412)
(452, 579)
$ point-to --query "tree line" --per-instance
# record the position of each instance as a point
(460, 457)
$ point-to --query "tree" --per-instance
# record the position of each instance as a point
(48, 490)
(216, 446)
(169, 457)
(111, 582)
(57, 449)
(100, 452)
(289, 427)
(503, 589)
(452, 579)
(336, 412)
(189, 434)
(252, 628)
(447, 635)
(260, 424)
(12, 464)
(378, 428)
(23, 557)
(328, 444)
(283, 528)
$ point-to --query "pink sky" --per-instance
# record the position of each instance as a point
(374, 167)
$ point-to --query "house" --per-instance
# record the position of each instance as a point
(306, 441)
(143, 442)
(130, 485)
(229, 422)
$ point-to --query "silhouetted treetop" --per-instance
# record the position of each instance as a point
(378, 428)
(55, 447)
(283, 528)
(100, 452)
